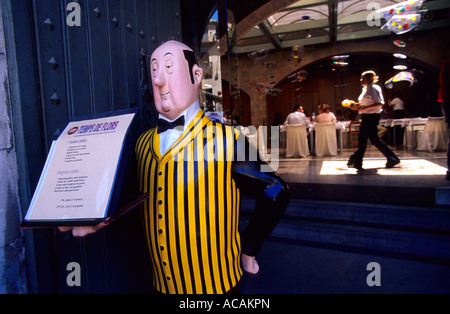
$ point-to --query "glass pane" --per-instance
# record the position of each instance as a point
(210, 63)
(294, 15)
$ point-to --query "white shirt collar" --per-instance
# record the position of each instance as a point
(168, 137)
(188, 114)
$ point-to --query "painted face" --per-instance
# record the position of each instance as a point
(173, 88)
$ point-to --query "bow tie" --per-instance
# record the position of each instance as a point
(164, 125)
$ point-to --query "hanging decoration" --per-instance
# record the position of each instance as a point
(339, 62)
(274, 91)
(260, 87)
(400, 67)
(263, 88)
(400, 56)
(401, 76)
(401, 24)
(258, 55)
(399, 43)
(402, 17)
(299, 76)
(297, 51)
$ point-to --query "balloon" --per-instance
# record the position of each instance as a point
(260, 87)
(400, 24)
(297, 51)
(402, 8)
(299, 76)
(401, 76)
(400, 67)
(259, 55)
(401, 17)
(400, 55)
(263, 88)
(400, 43)
(273, 91)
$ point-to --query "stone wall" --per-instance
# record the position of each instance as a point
(12, 251)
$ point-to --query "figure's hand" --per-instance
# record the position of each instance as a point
(82, 231)
(249, 264)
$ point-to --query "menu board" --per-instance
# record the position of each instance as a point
(77, 183)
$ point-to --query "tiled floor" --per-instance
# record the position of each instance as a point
(417, 168)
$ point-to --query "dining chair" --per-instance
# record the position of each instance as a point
(325, 139)
(297, 142)
(434, 136)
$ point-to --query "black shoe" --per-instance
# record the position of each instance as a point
(392, 162)
(353, 164)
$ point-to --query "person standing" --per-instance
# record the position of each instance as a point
(398, 107)
(370, 104)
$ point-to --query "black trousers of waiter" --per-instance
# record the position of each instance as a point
(368, 130)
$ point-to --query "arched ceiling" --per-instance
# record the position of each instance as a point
(275, 24)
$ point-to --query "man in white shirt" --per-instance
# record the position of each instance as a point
(371, 103)
(297, 117)
(398, 107)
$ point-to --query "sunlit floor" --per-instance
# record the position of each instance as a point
(417, 168)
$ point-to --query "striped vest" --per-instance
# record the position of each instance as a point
(192, 215)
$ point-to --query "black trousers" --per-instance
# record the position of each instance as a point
(368, 130)
(399, 130)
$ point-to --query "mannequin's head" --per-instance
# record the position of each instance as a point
(176, 78)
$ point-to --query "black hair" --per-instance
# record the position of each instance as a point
(190, 57)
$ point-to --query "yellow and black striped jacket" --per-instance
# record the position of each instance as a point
(191, 218)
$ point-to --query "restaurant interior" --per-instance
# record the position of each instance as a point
(278, 54)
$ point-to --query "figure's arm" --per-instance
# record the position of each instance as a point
(270, 191)
(365, 108)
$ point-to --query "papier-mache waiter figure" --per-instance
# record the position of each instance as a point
(194, 171)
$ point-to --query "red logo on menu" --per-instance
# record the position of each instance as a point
(72, 130)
